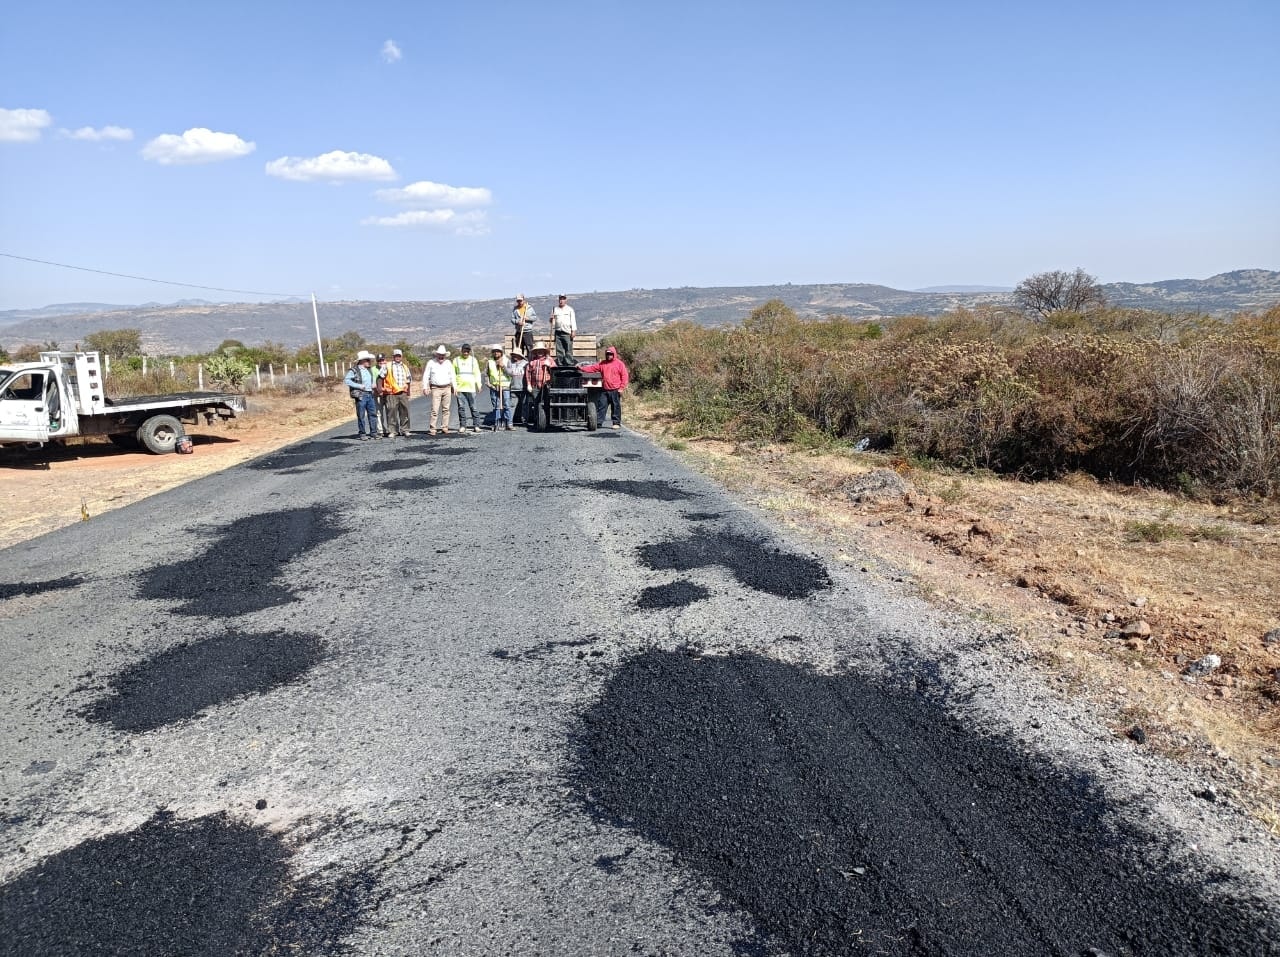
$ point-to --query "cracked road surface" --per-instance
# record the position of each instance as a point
(552, 694)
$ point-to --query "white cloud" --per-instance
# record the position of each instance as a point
(431, 195)
(95, 136)
(391, 51)
(473, 223)
(22, 126)
(198, 145)
(335, 167)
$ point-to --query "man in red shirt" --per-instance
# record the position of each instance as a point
(614, 377)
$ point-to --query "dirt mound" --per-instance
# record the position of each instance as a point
(875, 486)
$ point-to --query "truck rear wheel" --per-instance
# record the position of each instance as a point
(593, 416)
(540, 422)
(159, 434)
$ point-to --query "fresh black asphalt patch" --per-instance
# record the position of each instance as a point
(754, 563)
(35, 588)
(701, 516)
(206, 887)
(411, 484)
(656, 490)
(853, 818)
(188, 679)
(396, 464)
(675, 595)
(296, 456)
(236, 573)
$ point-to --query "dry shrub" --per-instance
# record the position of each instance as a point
(1179, 401)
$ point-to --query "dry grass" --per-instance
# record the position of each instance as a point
(1066, 563)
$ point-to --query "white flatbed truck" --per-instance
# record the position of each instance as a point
(62, 397)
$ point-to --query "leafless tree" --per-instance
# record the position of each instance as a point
(1058, 291)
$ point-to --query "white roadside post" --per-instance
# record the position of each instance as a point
(315, 314)
(271, 373)
(257, 374)
(144, 365)
(173, 372)
(200, 376)
(106, 365)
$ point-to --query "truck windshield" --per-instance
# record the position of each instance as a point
(4, 377)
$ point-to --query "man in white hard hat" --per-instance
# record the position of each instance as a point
(442, 383)
(359, 382)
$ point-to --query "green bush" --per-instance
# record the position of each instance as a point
(226, 371)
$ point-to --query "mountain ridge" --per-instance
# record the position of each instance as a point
(198, 326)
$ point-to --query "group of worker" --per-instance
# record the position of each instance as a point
(381, 388)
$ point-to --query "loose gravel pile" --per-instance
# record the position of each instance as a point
(188, 679)
(754, 563)
(851, 818)
(237, 572)
(209, 886)
(675, 595)
(35, 588)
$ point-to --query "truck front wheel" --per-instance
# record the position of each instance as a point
(159, 434)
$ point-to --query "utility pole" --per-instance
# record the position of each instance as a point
(315, 314)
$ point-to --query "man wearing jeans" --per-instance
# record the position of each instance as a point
(466, 370)
(396, 379)
(614, 377)
(359, 382)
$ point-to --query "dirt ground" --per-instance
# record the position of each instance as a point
(44, 490)
(1117, 591)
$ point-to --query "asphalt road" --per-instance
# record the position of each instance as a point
(551, 694)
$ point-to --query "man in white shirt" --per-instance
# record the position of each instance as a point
(441, 380)
(564, 325)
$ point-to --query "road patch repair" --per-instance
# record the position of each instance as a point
(850, 817)
(411, 483)
(675, 595)
(207, 886)
(655, 490)
(16, 589)
(189, 679)
(236, 573)
(751, 561)
(298, 456)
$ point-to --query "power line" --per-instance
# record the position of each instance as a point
(164, 282)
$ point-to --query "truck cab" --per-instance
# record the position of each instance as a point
(63, 396)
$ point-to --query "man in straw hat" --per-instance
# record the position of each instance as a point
(442, 383)
(537, 373)
(360, 382)
(523, 317)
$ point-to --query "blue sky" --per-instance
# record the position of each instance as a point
(497, 148)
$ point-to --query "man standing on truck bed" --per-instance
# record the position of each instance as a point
(359, 382)
(522, 318)
(564, 325)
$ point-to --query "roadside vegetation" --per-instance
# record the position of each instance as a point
(1182, 402)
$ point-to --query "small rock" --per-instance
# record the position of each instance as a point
(1136, 734)
(1120, 690)
(1138, 602)
(1137, 627)
(1272, 637)
(1204, 666)
(1207, 794)
(262, 804)
(1109, 616)
(1112, 633)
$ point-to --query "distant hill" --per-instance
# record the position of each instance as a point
(966, 289)
(197, 326)
(11, 316)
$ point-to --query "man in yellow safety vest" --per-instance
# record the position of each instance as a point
(467, 369)
(499, 389)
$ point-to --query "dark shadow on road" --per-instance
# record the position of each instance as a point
(854, 818)
(298, 456)
(236, 572)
